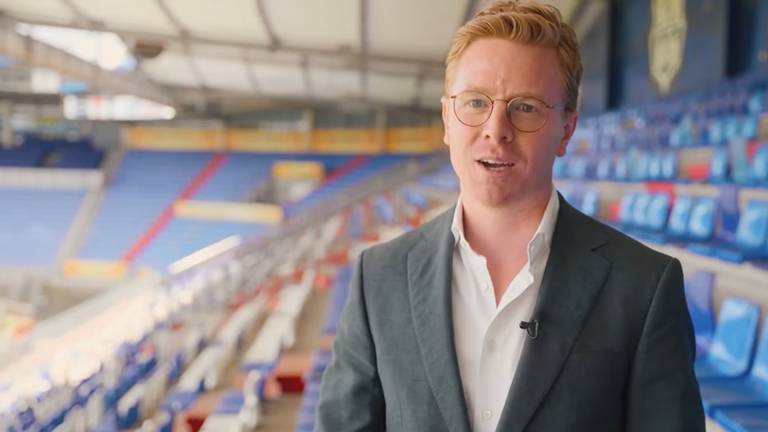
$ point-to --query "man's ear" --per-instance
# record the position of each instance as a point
(569, 127)
(445, 103)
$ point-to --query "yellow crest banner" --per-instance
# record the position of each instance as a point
(666, 41)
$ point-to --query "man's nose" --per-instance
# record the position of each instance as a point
(498, 127)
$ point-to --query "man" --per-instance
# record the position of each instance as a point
(431, 337)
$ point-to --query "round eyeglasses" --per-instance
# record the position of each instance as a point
(527, 114)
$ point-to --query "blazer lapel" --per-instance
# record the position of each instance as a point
(429, 284)
(572, 280)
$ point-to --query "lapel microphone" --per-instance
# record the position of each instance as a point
(531, 327)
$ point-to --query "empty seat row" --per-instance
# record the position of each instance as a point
(732, 362)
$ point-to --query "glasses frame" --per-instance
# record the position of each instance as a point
(507, 104)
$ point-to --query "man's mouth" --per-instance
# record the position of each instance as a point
(495, 164)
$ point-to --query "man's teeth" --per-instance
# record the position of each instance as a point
(495, 164)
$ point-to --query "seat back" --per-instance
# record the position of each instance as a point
(702, 222)
(622, 168)
(760, 164)
(603, 169)
(640, 209)
(658, 210)
(679, 216)
(752, 230)
(654, 166)
(760, 366)
(641, 165)
(698, 296)
(734, 339)
(718, 165)
(669, 166)
(625, 207)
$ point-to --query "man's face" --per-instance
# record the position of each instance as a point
(522, 161)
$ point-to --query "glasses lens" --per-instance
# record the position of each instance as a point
(472, 108)
(527, 115)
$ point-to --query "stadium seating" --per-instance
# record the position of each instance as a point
(749, 390)
(145, 184)
(367, 167)
(730, 353)
(52, 152)
(35, 223)
(698, 294)
(743, 418)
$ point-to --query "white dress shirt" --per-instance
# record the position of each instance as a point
(488, 337)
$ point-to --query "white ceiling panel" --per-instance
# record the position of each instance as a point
(425, 30)
(335, 83)
(391, 89)
(395, 67)
(232, 20)
(324, 24)
(171, 68)
(224, 74)
(216, 51)
(280, 80)
(130, 15)
(52, 11)
(277, 57)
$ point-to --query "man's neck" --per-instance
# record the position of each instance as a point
(492, 231)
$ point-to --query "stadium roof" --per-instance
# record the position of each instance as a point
(259, 53)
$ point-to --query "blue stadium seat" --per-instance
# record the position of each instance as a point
(733, 343)
(384, 209)
(715, 132)
(640, 209)
(578, 167)
(698, 295)
(641, 167)
(731, 129)
(654, 166)
(415, 198)
(751, 235)
(701, 226)
(658, 211)
(679, 218)
(626, 207)
(743, 418)
(669, 166)
(760, 165)
(621, 172)
(719, 165)
(604, 171)
(749, 390)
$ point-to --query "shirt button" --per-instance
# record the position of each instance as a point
(487, 414)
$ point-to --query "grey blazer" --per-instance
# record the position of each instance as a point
(614, 352)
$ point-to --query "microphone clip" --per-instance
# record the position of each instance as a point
(531, 327)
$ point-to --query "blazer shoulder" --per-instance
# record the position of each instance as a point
(388, 254)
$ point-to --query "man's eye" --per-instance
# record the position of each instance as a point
(477, 103)
(525, 108)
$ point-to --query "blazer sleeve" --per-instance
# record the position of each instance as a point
(663, 394)
(351, 397)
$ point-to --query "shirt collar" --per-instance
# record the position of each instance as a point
(542, 236)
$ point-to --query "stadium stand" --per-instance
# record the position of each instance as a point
(35, 222)
(144, 186)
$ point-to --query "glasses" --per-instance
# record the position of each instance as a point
(527, 114)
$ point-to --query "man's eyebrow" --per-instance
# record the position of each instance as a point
(525, 94)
